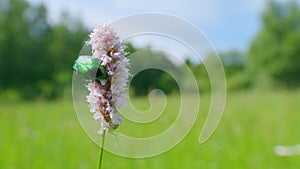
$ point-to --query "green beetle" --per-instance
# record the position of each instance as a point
(90, 68)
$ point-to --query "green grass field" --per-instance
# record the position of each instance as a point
(47, 135)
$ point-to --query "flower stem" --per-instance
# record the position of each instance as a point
(101, 150)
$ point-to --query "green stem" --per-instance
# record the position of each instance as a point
(101, 151)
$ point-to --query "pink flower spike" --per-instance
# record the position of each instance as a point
(106, 96)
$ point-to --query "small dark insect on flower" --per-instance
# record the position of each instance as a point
(101, 73)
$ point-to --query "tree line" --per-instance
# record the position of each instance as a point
(36, 56)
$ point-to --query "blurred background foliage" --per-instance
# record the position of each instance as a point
(36, 57)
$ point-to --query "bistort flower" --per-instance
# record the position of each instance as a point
(107, 90)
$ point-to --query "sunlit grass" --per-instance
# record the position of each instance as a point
(47, 135)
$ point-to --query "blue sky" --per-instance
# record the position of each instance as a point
(228, 24)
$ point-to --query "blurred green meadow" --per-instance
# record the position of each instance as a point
(39, 128)
(47, 135)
